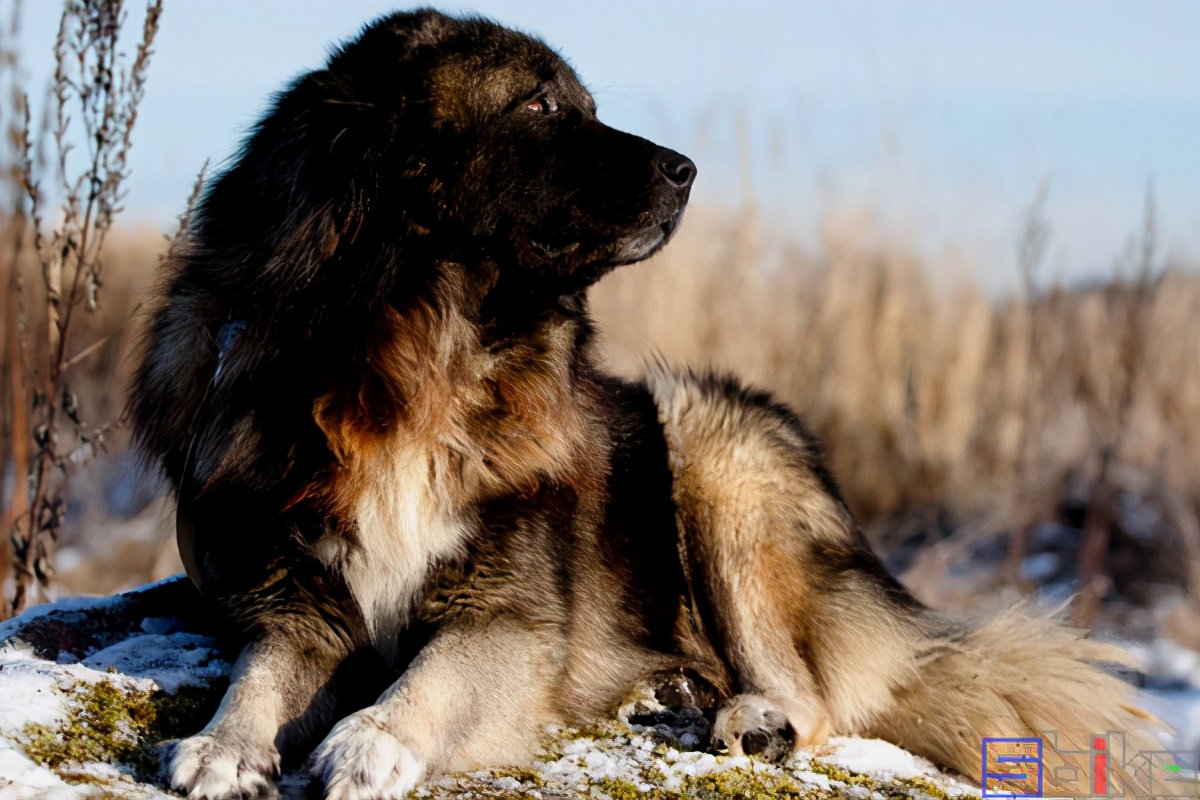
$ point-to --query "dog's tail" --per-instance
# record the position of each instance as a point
(1023, 675)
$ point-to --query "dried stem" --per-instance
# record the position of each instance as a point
(1134, 298)
(14, 412)
(1031, 252)
(94, 104)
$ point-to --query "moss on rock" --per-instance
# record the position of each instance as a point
(111, 725)
(111, 722)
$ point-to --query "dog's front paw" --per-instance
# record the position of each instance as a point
(753, 725)
(361, 759)
(213, 767)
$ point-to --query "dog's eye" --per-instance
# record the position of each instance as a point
(546, 104)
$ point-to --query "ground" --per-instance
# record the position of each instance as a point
(90, 687)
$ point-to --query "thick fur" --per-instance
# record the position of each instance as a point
(809, 619)
(402, 473)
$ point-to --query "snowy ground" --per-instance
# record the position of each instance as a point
(88, 687)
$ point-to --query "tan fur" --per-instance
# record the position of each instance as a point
(1017, 674)
(429, 718)
(439, 387)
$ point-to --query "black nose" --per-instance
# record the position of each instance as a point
(676, 168)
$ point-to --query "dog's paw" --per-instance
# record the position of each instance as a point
(208, 767)
(361, 760)
(754, 726)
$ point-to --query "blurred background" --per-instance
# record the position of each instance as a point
(961, 238)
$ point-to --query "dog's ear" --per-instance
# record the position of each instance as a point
(333, 149)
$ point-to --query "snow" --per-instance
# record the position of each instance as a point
(875, 757)
(1168, 660)
(170, 660)
(34, 689)
(9, 628)
(20, 778)
(639, 761)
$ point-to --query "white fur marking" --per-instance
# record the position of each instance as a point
(405, 524)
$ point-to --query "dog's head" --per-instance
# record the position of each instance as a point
(463, 138)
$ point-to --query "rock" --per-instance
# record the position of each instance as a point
(90, 687)
(86, 692)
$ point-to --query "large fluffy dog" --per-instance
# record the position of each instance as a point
(372, 382)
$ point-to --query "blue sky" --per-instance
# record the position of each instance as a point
(939, 117)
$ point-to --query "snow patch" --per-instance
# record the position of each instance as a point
(877, 758)
(170, 661)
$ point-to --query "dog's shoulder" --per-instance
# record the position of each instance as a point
(737, 448)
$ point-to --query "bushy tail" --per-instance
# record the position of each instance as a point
(1023, 675)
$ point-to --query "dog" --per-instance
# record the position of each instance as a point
(404, 477)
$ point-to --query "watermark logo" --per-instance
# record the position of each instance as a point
(1012, 767)
(1015, 767)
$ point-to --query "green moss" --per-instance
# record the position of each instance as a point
(653, 775)
(620, 789)
(730, 784)
(186, 711)
(103, 724)
(613, 731)
(602, 731)
(896, 788)
(754, 782)
(525, 775)
(836, 773)
(745, 784)
(112, 726)
(927, 787)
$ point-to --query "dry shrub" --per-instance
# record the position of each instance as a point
(942, 423)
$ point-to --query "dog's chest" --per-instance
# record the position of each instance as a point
(407, 521)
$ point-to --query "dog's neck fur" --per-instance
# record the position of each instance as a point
(460, 415)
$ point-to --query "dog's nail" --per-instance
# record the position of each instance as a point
(754, 742)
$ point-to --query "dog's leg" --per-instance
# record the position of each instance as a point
(779, 706)
(753, 725)
(736, 498)
(303, 627)
(478, 695)
(818, 636)
(281, 693)
(753, 604)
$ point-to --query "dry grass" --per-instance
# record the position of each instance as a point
(921, 387)
(97, 382)
(943, 425)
